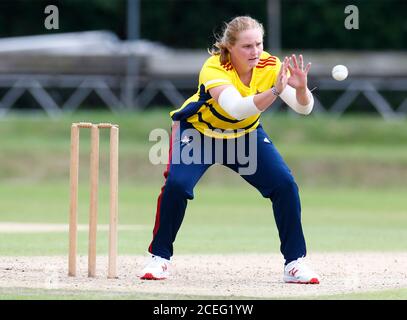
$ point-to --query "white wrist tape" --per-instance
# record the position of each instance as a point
(235, 105)
(289, 97)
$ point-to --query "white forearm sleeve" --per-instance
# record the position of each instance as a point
(289, 97)
(235, 105)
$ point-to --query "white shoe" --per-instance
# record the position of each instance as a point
(298, 272)
(156, 269)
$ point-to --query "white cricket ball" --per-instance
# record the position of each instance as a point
(339, 72)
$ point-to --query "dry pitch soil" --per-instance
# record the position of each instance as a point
(232, 275)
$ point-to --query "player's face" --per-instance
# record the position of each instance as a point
(248, 48)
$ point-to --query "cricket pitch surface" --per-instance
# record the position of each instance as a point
(222, 275)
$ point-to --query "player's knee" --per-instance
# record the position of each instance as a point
(179, 185)
(286, 185)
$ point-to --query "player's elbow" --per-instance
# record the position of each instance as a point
(232, 109)
(305, 110)
(236, 114)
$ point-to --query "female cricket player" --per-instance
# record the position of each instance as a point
(236, 84)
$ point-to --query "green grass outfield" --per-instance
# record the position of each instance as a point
(352, 174)
(42, 294)
(219, 220)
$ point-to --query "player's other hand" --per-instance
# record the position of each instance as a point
(298, 77)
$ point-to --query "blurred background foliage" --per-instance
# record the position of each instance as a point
(175, 23)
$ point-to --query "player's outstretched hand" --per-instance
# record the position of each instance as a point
(298, 77)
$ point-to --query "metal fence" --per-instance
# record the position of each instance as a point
(113, 92)
(134, 81)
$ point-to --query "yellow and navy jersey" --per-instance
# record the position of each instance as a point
(207, 116)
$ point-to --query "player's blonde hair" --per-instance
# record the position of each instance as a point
(230, 33)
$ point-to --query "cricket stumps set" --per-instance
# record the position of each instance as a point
(93, 205)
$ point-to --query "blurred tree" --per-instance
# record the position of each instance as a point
(26, 17)
(192, 23)
(382, 24)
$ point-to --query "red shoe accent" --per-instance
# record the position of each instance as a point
(149, 276)
(314, 281)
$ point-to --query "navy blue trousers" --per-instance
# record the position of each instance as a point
(191, 155)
